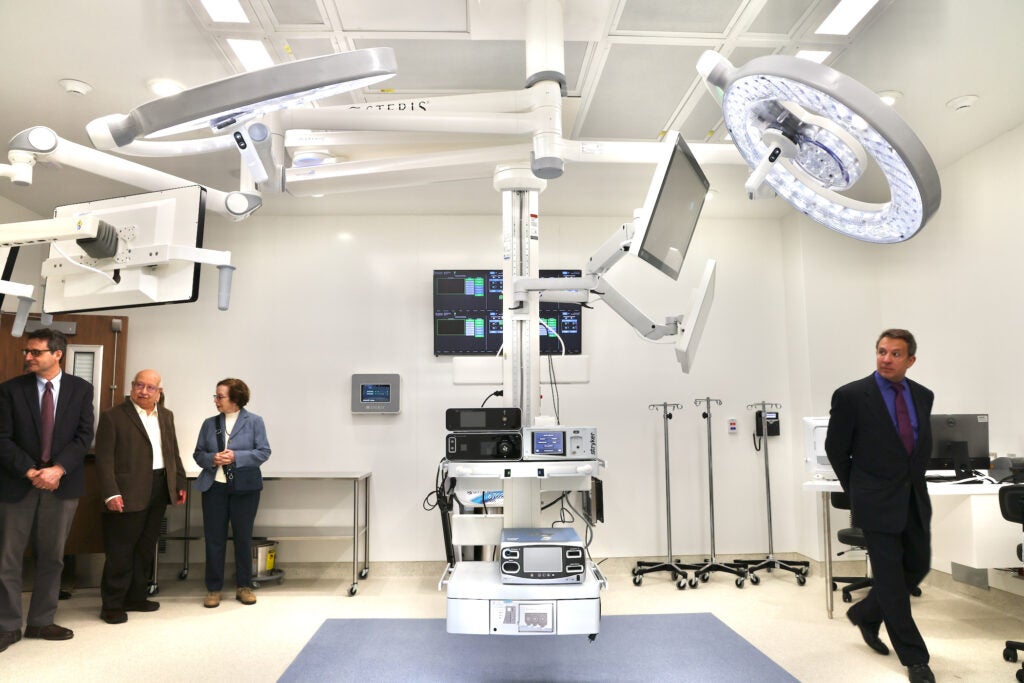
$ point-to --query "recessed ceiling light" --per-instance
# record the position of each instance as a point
(845, 17)
(73, 86)
(890, 97)
(963, 102)
(164, 87)
(251, 53)
(225, 11)
(816, 56)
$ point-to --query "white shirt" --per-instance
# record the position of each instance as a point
(152, 424)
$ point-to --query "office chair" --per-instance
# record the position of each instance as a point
(854, 537)
(1011, 505)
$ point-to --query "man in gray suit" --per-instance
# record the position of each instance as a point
(879, 442)
(46, 427)
(139, 470)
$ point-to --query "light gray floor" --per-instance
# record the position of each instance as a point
(183, 641)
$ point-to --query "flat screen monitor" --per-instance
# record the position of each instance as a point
(151, 227)
(696, 318)
(950, 434)
(468, 315)
(669, 214)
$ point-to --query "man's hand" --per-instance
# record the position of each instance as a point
(116, 504)
(182, 495)
(48, 478)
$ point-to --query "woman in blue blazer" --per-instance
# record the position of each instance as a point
(231, 447)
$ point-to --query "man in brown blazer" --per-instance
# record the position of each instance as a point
(139, 470)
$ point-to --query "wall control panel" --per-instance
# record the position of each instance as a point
(376, 393)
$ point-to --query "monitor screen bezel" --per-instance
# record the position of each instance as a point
(963, 423)
(676, 152)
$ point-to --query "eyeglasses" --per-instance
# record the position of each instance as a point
(218, 397)
(141, 386)
(35, 353)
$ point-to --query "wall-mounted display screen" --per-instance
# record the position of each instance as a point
(468, 311)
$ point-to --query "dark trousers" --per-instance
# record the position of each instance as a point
(220, 506)
(899, 562)
(129, 542)
(45, 520)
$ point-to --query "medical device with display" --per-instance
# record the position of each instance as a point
(559, 443)
(539, 556)
(479, 419)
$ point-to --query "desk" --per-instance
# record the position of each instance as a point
(306, 533)
(967, 527)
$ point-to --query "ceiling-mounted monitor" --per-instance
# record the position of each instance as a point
(665, 225)
(158, 237)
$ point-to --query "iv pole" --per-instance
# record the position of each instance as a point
(703, 571)
(679, 574)
(798, 567)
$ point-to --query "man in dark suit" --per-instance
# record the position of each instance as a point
(879, 442)
(46, 427)
(139, 471)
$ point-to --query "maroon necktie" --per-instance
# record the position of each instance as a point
(47, 422)
(903, 425)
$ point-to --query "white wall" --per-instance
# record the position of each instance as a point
(957, 286)
(318, 299)
(796, 312)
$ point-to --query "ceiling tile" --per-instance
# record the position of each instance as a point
(304, 47)
(403, 15)
(640, 88)
(677, 16)
(297, 13)
(701, 124)
(458, 65)
(780, 16)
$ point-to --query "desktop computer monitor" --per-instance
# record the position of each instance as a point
(955, 437)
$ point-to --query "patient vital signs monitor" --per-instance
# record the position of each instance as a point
(468, 314)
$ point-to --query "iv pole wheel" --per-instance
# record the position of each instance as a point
(694, 583)
(800, 579)
(739, 582)
(755, 579)
(363, 573)
(681, 584)
(705, 576)
(637, 579)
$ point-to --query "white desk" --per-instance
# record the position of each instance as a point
(967, 527)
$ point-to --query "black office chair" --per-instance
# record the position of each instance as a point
(1011, 505)
(854, 536)
(851, 536)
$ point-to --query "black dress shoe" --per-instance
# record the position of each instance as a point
(8, 638)
(141, 606)
(870, 635)
(113, 616)
(920, 673)
(49, 632)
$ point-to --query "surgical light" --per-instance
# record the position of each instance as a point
(808, 132)
(244, 97)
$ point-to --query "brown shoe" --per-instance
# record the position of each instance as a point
(245, 596)
(212, 599)
(49, 632)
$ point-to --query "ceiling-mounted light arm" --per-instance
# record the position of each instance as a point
(44, 144)
(836, 124)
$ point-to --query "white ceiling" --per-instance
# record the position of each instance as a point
(629, 71)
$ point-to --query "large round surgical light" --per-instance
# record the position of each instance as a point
(244, 97)
(808, 132)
